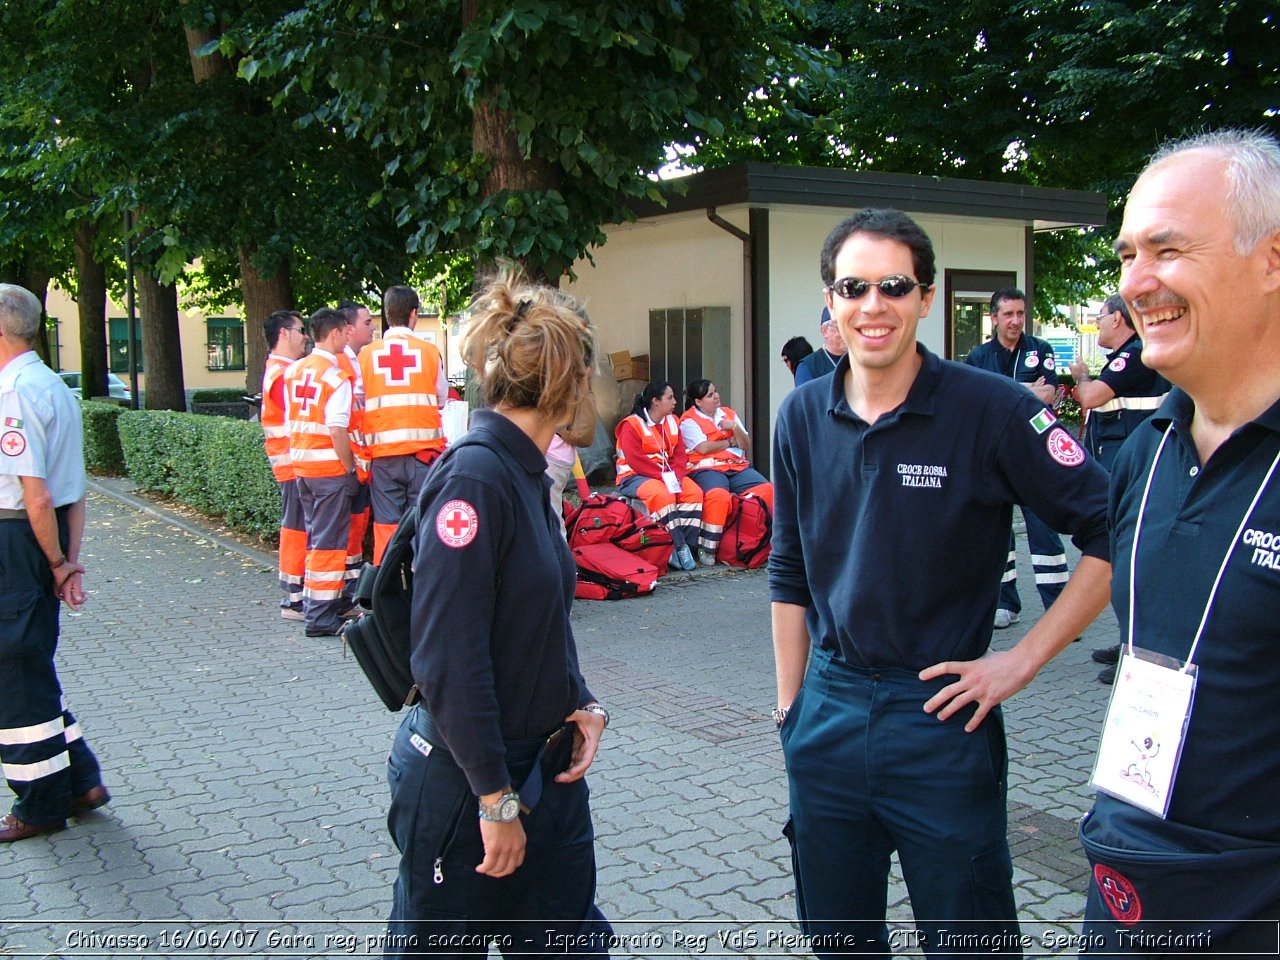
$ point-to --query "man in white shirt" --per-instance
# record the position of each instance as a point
(42, 505)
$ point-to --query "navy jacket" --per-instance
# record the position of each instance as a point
(493, 652)
(1031, 359)
(1136, 388)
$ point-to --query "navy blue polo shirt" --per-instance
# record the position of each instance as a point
(1230, 768)
(493, 652)
(1029, 359)
(895, 534)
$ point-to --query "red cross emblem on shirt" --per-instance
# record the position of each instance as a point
(13, 443)
(305, 391)
(394, 362)
(457, 523)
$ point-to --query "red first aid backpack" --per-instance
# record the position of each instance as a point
(607, 572)
(748, 533)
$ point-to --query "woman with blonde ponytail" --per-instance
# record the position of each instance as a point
(507, 726)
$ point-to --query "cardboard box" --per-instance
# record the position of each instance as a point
(627, 367)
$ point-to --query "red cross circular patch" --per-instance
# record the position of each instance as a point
(1063, 449)
(13, 444)
(1118, 894)
(1117, 364)
(457, 523)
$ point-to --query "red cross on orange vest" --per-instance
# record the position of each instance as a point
(305, 391)
(395, 363)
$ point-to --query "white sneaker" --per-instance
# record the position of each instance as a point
(1006, 618)
(706, 558)
(291, 613)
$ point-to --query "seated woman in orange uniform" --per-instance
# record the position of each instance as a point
(651, 465)
(717, 445)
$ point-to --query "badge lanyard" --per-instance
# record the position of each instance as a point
(668, 475)
(1150, 708)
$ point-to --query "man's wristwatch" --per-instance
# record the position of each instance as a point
(597, 710)
(503, 810)
(780, 716)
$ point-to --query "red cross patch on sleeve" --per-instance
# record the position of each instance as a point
(13, 444)
(1063, 449)
(457, 523)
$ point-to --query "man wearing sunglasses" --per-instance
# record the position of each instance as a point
(823, 360)
(1012, 352)
(895, 484)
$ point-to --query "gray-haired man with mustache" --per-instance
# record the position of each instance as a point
(1185, 835)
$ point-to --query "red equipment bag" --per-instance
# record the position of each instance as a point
(607, 572)
(600, 519)
(604, 518)
(748, 533)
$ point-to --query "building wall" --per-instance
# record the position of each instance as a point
(680, 261)
(192, 329)
(687, 261)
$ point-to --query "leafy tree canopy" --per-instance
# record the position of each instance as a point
(518, 129)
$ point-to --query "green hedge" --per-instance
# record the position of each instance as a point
(102, 453)
(219, 395)
(215, 464)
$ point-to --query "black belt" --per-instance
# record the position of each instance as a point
(546, 754)
(21, 513)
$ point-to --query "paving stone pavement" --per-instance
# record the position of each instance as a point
(247, 768)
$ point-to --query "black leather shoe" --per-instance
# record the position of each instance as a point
(1107, 675)
(11, 828)
(90, 800)
(1106, 655)
(327, 632)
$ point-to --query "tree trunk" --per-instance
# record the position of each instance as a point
(25, 272)
(262, 297)
(204, 68)
(493, 136)
(161, 343)
(36, 279)
(91, 280)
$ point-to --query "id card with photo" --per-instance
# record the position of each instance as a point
(1145, 728)
(671, 480)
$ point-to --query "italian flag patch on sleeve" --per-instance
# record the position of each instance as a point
(13, 422)
(1043, 420)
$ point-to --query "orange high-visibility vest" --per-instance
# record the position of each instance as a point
(401, 408)
(274, 431)
(309, 384)
(659, 441)
(725, 460)
(355, 427)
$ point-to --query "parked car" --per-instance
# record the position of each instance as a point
(116, 388)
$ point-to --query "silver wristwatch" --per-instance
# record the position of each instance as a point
(503, 810)
(597, 710)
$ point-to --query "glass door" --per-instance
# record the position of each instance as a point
(968, 317)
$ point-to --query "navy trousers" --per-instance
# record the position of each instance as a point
(870, 773)
(1048, 561)
(46, 760)
(442, 907)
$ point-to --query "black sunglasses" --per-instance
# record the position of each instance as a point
(895, 287)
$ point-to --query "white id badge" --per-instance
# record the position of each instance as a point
(1143, 734)
(671, 480)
